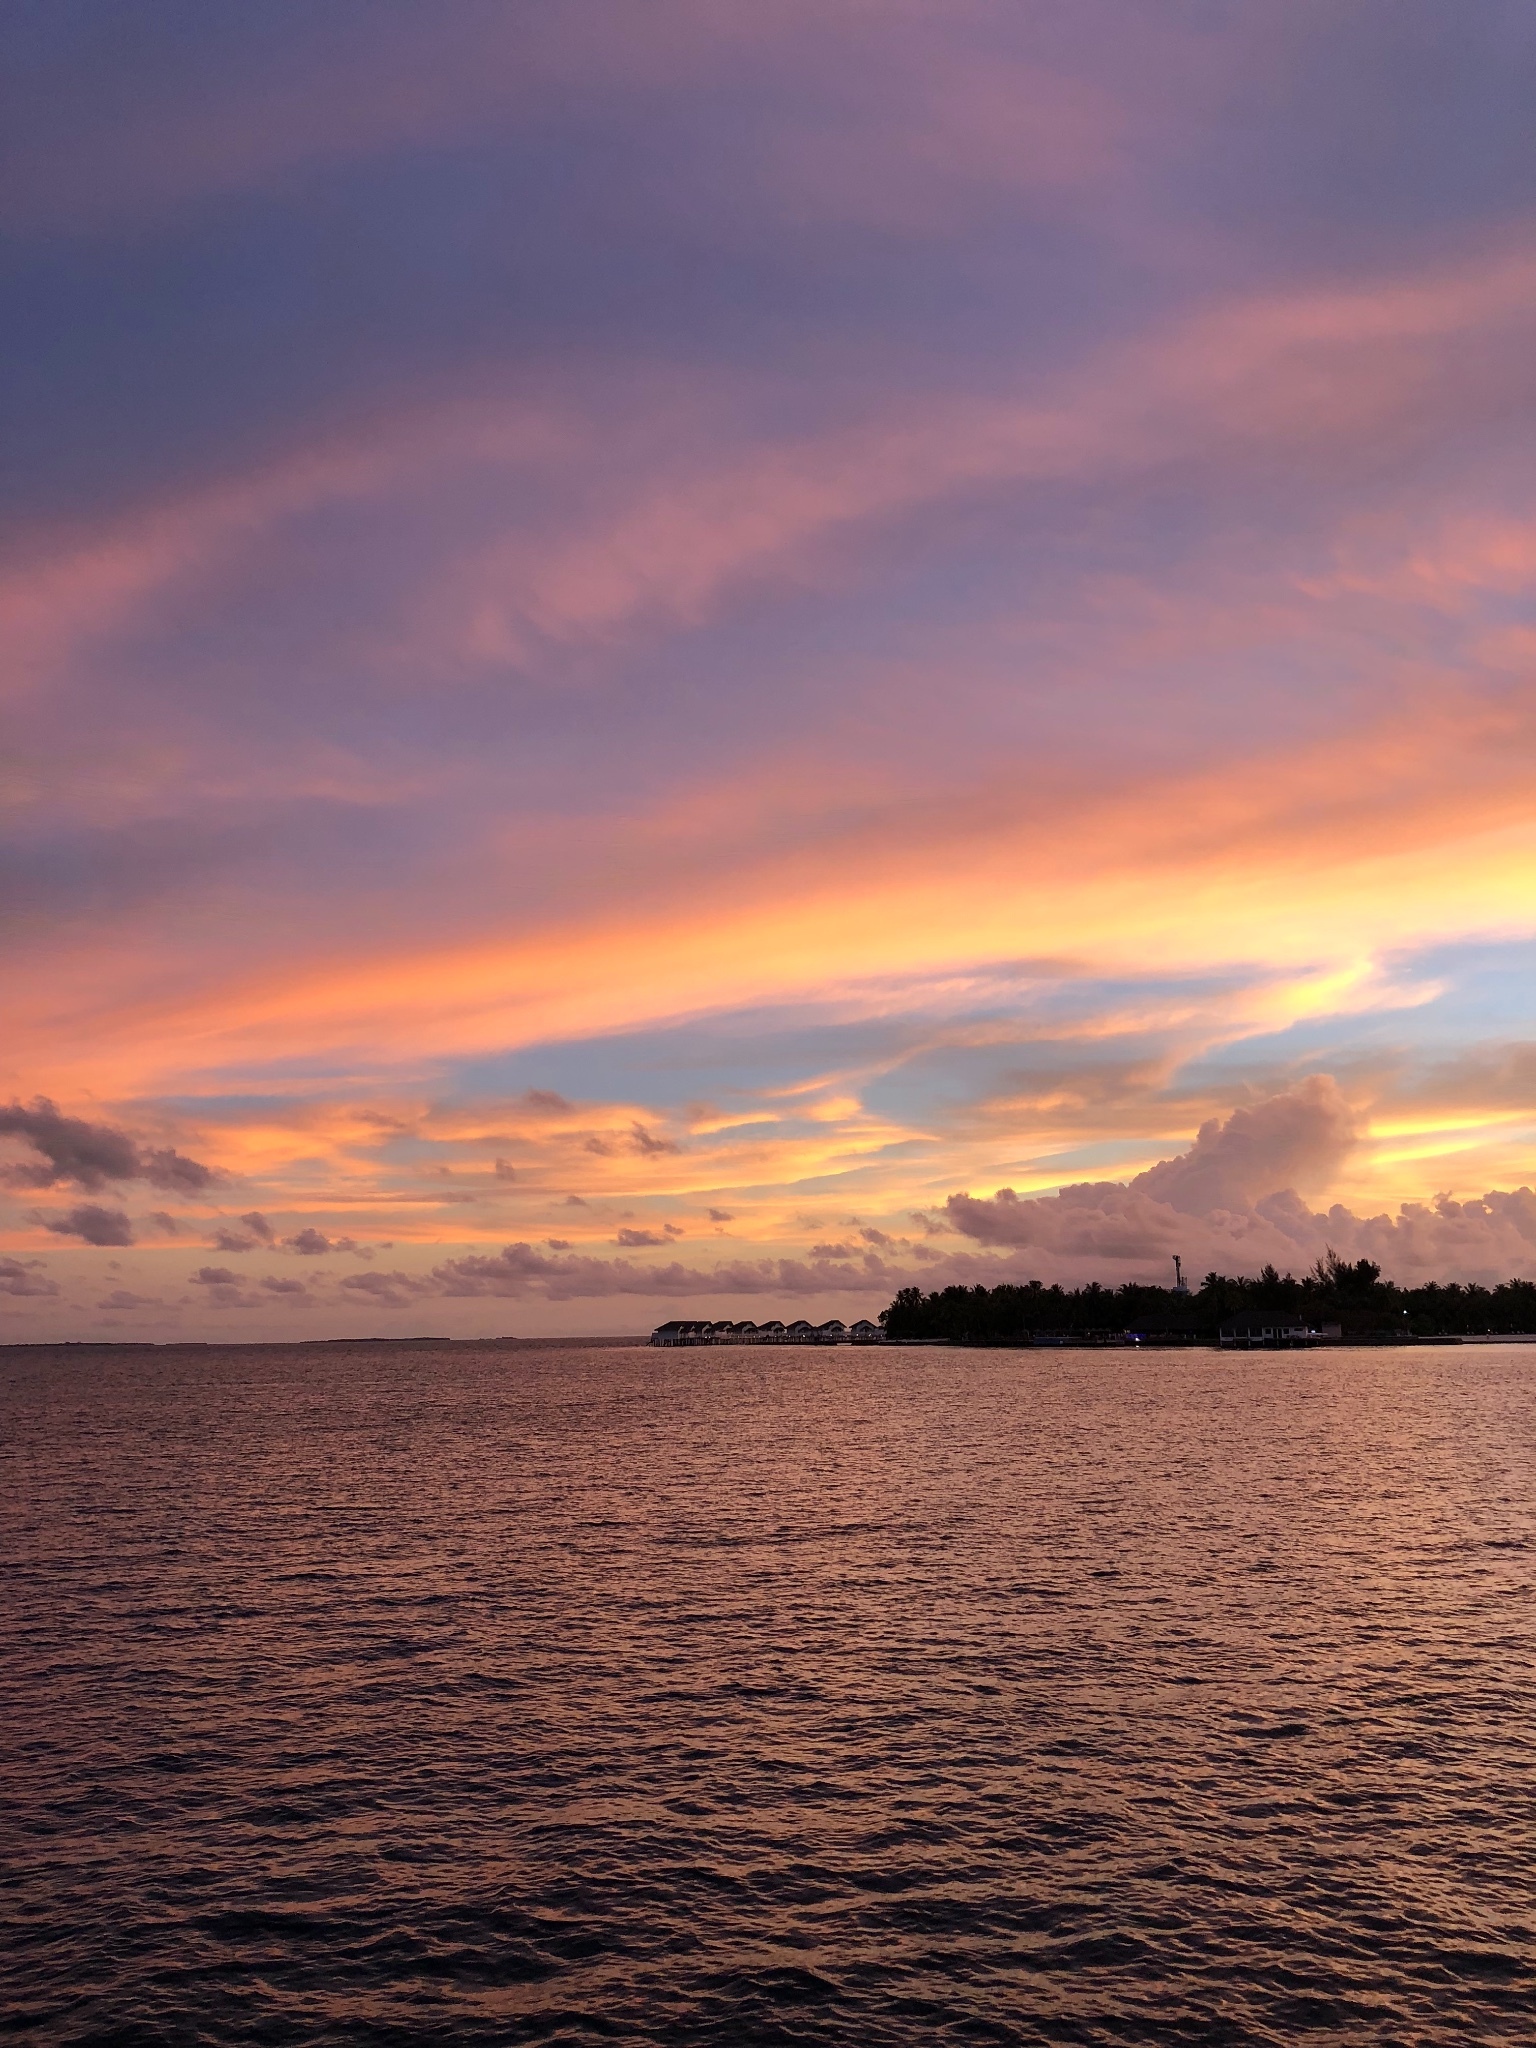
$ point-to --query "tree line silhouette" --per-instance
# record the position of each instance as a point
(1353, 1296)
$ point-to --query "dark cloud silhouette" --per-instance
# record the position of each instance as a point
(721, 1216)
(636, 1238)
(26, 1277)
(558, 1244)
(310, 1243)
(505, 1170)
(163, 1221)
(89, 1220)
(174, 1172)
(255, 1233)
(545, 1102)
(92, 1155)
(575, 1202)
(647, 1145)
(289, 1289)
(390, 1290)
(123, 1297)
(222, 1288)
(519, 1270)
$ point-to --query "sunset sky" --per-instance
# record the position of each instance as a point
(651, 648)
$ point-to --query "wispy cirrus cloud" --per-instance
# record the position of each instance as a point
(827, 610)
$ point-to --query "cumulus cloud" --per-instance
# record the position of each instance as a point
(254, 1233)
(291, 1290)
(638, 1238)
(1298, 1139)
(92, 1155)
(25, 1276)
(721, 1216)
(222, 1287)
(310, 1243)
(89, 1220)
(1223, 1206)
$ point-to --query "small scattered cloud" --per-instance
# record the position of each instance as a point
(505, 1170)
(877, 1237)
(519, 1270)
(123, 1297)
(222, 1288)
(164, 1222)
(93, 1223)
(290, 1290)
(25, 1277)
(575, 1202)
(310, 1243)
(389, 1290)
(637, 1238)
(722, 1216)
(647, 1144)
(558, 1244)
(545, 1102)
(255, 1234)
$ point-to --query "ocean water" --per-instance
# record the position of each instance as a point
(767, 1697)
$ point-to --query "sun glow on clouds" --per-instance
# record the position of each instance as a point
(920, 610)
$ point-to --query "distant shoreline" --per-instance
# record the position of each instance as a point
(314, 1343)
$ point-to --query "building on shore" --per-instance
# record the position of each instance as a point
(1275, 1329)
(670, 1335)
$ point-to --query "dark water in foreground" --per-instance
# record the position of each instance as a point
(734, 1697)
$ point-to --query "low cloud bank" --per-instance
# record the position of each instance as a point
(519, 1270)
(1231, 1204)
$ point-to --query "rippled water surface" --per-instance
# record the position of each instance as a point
(742, 1697)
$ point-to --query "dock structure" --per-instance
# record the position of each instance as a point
(674, 1334)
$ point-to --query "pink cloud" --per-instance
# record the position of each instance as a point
(1224, 1206)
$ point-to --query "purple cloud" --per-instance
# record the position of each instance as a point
(90, 1221)
(92, 1155)
(25, 1277)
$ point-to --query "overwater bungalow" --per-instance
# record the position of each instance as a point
(772, 1332)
